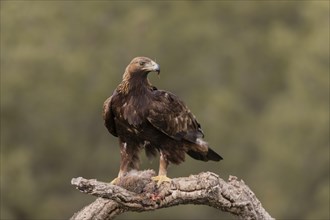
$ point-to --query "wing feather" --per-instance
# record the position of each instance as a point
(108, 117)
(171, 116)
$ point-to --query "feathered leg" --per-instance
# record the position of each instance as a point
(129, 160)
(163, 164)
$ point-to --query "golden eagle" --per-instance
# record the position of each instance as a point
(141, 116)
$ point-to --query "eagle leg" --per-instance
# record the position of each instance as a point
(122, 171)
(129, 160)
(163, 164)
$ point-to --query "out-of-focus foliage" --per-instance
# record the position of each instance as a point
(256, 75)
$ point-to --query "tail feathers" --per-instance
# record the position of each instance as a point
(210, 155)
(202, 151)
(196, 155)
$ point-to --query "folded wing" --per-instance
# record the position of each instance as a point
(171, 116)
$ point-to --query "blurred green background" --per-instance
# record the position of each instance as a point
(255, 74)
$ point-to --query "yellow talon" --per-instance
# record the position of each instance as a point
(160, 179)
(114, 181)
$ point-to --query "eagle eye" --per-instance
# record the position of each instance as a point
(142, 63)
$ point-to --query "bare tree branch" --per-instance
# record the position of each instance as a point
(137, 192)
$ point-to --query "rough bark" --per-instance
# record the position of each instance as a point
(137, 192)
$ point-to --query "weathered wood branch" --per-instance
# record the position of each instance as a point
(137, 192)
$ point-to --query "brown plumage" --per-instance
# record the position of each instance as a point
(141, 116)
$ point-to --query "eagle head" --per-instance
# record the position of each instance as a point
(141, 66)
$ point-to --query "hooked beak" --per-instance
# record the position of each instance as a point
(154, 67)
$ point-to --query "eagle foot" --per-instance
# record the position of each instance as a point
(114, 181)
(160, 179)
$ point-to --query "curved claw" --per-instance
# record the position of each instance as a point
(160, 179)
(114, 181)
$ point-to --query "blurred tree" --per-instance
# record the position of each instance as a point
(256, 74)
